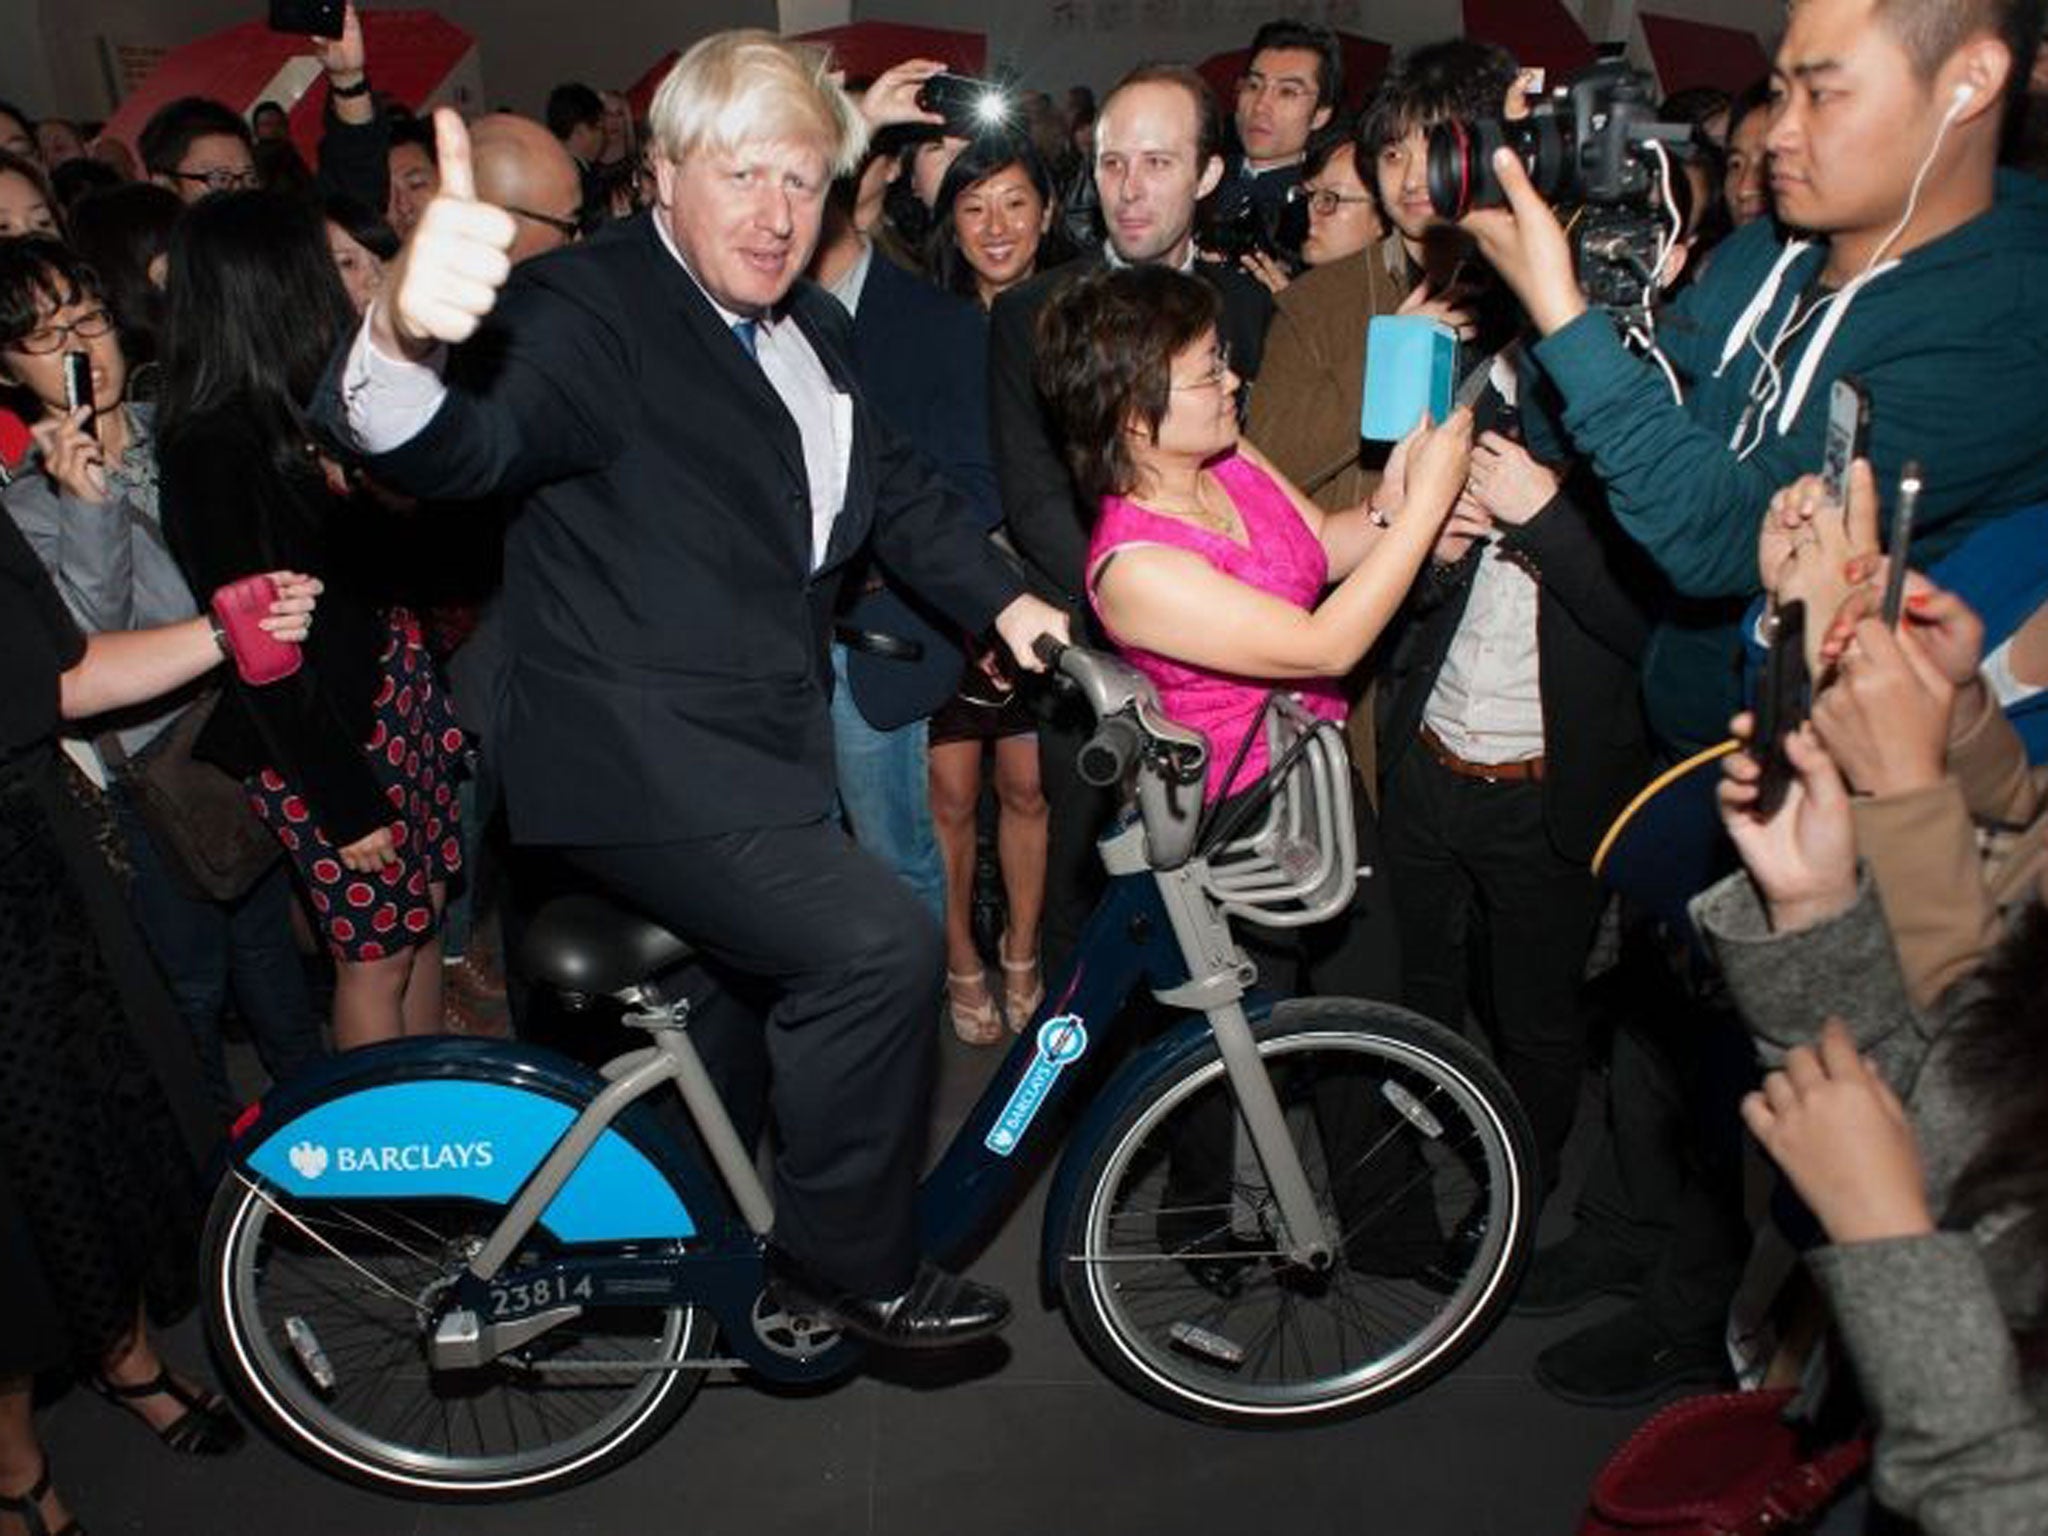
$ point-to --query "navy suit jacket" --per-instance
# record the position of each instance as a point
(668, 664)
(923, 360)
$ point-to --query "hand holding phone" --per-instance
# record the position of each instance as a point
(1848, 436)
(970, 107)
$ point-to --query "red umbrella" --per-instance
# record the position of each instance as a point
(1541, 34)
(1365, 60)
(414, 56)
(1690, 53)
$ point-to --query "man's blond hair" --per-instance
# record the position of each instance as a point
(750, 86)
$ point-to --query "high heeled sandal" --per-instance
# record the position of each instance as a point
(974, 1023)
(1020, 997)
(28, 1507)
(207, 1427)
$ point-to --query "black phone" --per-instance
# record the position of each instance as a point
(970, 107)
(1848, 435)
(309, 18)
(1899, 547)
(1784, 697)
(78, 387)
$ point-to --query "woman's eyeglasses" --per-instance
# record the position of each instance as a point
(1325, 200)
(50, 338)
(1209, 380)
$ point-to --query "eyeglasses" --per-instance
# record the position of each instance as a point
(1325, 200)
(51, 338)
(568, 229)
(1209, 380)
(222, 180)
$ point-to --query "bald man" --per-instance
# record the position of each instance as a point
(524, 169)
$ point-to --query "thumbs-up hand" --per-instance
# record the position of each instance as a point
(448, 276)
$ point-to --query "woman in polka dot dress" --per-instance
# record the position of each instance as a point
(350, 760)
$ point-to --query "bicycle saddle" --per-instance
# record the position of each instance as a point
(593, 946)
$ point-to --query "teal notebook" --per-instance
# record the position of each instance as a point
(1411, 364)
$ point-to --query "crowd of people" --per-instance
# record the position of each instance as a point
(678, 503)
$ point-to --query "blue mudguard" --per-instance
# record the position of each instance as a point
(1164, 1056)
(461, 1119)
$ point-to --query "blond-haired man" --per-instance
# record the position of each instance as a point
(679, 416)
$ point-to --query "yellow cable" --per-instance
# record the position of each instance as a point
(1650, 791)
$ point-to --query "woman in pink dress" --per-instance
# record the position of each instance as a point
(1209, 572)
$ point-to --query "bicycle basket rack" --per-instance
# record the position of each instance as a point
(1299, 864)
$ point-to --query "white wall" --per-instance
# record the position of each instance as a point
(50, 50)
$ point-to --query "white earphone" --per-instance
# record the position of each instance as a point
(1965, 93)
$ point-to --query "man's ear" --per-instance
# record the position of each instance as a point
(1320, 120)
(665, 173)
(1212, 172)
(1984, 65)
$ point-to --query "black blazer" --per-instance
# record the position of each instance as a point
(1590, 632)
(1047, 522)
(668, 665)
(923, 358)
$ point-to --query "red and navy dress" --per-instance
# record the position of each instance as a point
(413, 746)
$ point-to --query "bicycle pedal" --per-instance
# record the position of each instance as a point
(1206, 1342)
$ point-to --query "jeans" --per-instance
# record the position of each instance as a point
(204, 947)
(885, 792)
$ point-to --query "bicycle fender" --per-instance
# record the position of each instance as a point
(1166, 1054)
(440, 1119)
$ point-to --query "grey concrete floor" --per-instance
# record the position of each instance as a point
(1037, 1443)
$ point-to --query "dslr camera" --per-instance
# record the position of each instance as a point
(1232, 224)
(1596, 151)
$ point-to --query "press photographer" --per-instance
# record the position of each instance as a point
(1902, 255)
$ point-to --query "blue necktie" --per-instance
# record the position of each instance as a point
(747, 331)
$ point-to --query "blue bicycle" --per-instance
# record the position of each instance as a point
(478, 1270)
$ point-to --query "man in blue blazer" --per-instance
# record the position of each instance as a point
(923, 360)
(696, 467)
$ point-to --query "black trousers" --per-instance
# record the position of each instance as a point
(1076, 814)
(846, 964)
(1475, 875)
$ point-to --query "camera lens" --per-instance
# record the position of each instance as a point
(1461, 176)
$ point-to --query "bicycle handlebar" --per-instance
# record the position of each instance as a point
(1108, 755)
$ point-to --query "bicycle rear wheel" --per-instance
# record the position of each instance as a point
(320, 1311)
(1173, 1272)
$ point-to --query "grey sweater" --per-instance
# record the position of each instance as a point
(109, 559)
(1962, 1431)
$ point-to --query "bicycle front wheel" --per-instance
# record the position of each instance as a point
(320, 1311)
(1174, 1272)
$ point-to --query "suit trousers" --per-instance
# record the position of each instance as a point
(1077, 813)
(847, 963)
(1472, 864)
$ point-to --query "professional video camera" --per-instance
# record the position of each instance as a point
(1595, 150)
(1233, 224)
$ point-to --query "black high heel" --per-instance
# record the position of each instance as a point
(206, 1428)
(28, 1508)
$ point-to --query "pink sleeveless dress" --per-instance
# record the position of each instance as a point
(1281, 556)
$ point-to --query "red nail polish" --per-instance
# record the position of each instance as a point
(1918, 601)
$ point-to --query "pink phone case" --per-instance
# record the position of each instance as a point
(260, 657)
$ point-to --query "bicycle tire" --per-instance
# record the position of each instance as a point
(353, 1273)
(1223, 1328)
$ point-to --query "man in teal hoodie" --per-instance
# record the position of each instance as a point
(1900, 255)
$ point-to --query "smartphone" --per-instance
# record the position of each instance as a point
(1900, 545)
(970, 107)
(1848, 435)
(78, 387)
(1781, 707)
(308, 18)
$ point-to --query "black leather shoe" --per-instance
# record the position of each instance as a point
(938, 1311)
(1569, 1275)
(1628, 1360)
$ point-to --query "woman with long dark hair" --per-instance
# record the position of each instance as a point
(990, 231)
(349, 760)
